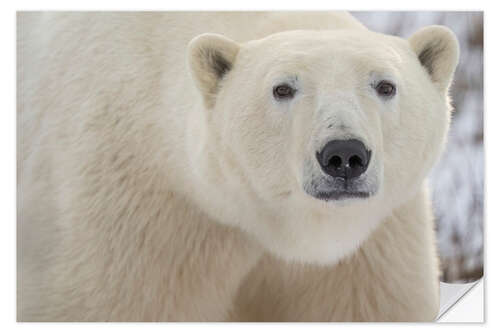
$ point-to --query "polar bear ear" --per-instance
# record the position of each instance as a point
(437, 50)
(211, 57)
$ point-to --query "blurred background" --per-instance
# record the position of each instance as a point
(458, 179)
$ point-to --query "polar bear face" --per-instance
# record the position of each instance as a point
(318, 135)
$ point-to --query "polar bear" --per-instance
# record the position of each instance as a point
(227, 166)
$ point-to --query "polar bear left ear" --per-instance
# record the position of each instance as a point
(437, 50)
(211, 57)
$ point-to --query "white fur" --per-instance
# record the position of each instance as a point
(152, 189)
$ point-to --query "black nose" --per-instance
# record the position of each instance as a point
(347, 159)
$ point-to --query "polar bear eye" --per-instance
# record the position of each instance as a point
(385, 89)
(283, 91)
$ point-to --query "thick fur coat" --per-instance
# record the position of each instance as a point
(161, 179)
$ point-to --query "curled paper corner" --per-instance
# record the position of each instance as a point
(459, 298)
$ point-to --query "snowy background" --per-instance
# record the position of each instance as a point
(458, 179)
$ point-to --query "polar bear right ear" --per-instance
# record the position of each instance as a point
(211, 57)
(437, 50)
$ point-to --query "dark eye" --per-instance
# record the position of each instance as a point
(385, 89)
(283, 91)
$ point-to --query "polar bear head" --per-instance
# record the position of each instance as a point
(311, 138)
